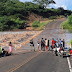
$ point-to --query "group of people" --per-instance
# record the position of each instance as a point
(58, 46)
(55, 43)
(4, 52)
(45, 43)
(58, 43)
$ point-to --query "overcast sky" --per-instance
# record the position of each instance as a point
(66, 4)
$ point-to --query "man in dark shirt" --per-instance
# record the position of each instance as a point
(42, 44)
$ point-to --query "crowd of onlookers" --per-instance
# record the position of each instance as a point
(45, 43)
(56, 45)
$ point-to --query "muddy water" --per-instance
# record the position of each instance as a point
(15, 37)
(68, 35)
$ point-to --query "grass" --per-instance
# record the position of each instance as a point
(40, 26)
(67, 24)
(52, 17)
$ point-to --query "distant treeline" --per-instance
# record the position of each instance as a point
(13, 13)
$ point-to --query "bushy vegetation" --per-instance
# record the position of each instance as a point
(13, 13)
(68, 23)
(40, 26)
(9, 24)
(35, 24)
(52, 17)
(43, 24)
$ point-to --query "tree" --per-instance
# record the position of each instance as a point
(15, 1)
(10, 0)
(44, 3)
(61, 8)
(3, 0)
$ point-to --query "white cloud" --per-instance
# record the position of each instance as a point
(55, 5)
(60, 3)
(64, 6)
(26, 0)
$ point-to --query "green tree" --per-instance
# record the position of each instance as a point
(44, 3)
(70, 19)
(3, 0)
(9, 0)
(15, 1)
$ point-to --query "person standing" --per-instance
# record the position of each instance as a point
(60, 43)
(63, 43)
(46, 44)
(42, 44)
(32, 45)
(10, 47)
(53, 42)
(57, 43)
(38, 43)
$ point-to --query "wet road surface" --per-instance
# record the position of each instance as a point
(45, 62)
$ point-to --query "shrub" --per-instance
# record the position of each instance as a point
(20, 24)
(52, 17)
(70, 19)
(35, 24)
(40, 26)
(16, 16)
(61, 16)
(3, 23)
(9, 24)
(68, 23)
